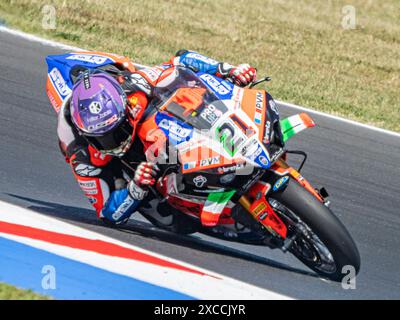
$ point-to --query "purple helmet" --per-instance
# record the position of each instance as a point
(98, 110)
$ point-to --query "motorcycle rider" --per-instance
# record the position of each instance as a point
(96, 129)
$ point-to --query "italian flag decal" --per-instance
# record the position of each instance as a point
(213, 207)
(294, 124)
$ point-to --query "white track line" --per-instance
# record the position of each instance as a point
(60, 45)
(43, 41)
(330, 116)
(211, 285)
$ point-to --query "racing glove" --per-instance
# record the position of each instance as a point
(145, 176)
(242, 75)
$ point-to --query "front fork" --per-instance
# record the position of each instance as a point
(256, 203)
(262, 211)
(282, 165)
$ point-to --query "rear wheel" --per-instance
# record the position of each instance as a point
(320, 240)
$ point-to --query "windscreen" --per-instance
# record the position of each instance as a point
(187, 98)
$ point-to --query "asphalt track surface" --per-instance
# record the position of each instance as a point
(359, 168)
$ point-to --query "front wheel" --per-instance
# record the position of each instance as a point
(322, 241)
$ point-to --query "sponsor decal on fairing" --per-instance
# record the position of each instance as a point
(280, 183)
(259, 100)
(189, 165)
(90, 58)
(176, 132)
(210, 161)
(220, 87)
(273, 106)
(259, 108)
(59, 82)
(199, 181)
(267, 131)
(211, 114)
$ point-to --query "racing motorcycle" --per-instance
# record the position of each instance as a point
(225, 173)
(231, 171)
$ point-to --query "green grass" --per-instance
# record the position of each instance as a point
(313, 61)
(8, 292)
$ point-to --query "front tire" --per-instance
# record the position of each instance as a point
(325, 225)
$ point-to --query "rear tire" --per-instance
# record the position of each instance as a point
(325, 225)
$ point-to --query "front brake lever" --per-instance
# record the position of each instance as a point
(251, 85)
